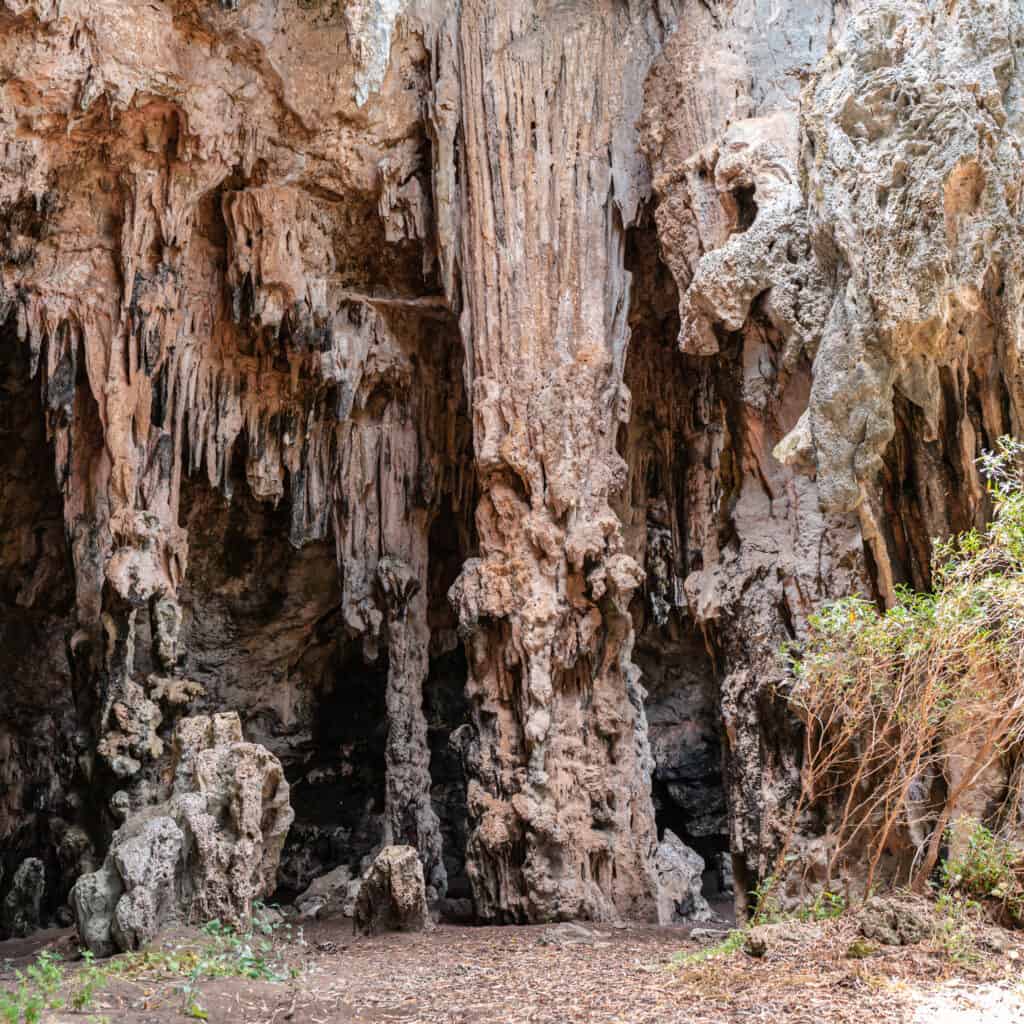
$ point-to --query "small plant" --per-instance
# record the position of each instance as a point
(91, 979)
(46, 976)
(32, 1007)
(224, 953)
(825, 906)
(10, 1008)
(732, 943)
(195, 1011)
(37, 990)
(955, 935)
(767, 907)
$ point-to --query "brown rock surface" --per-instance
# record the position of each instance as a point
(472, 397)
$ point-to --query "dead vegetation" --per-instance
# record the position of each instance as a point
(915, 715)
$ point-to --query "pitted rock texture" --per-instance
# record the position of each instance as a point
(473, 397)
(392, 895)
(331, 895)
(559, 798)
(753, 551)
(912, 156)
(205, 853)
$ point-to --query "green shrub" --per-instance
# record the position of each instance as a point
(879, 691)
(90, 980)
(985, 866)
(37, 990)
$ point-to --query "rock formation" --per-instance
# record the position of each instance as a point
(332, 895)
(680, 875)
(392, 895)
(472, 397)
(21, 911)
(203, 854)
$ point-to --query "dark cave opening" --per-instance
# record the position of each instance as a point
(663, 447)
(447, 711)
(684, 726)
(445, 705)
(338, 784)
(746, 207)
(264, 633)
(38, 757)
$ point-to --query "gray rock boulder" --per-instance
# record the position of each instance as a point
(147, 864)
(393, 895)
(22, 907)
(679, 872)
(330, 895)
(206, 852)
(572, 933)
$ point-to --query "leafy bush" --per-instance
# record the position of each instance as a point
(37, 990)
(985, 867)
(880, 692)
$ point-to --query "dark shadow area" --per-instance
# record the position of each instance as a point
(38, 720)
(338, 789)
(447, 709)
(662, 446)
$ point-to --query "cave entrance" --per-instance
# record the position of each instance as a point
(39, 807)
(338, 790)
(663, 444)
(684, 726)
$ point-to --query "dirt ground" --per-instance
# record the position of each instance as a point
(541, 975)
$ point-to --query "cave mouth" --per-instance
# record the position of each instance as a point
(41, 802)
(338, 784)
(684, 726)
(662, 446)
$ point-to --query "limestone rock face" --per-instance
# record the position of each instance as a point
(754, 550)
(21, 913)
(912, 150)
(471, 398)
(205, 853)
(392, 895)
(559, 799)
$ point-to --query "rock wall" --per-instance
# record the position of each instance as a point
(473, 397)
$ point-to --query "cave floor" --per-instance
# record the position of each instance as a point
(597, 975)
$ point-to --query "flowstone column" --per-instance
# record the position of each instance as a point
(535, 183)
